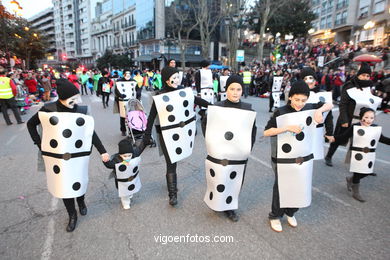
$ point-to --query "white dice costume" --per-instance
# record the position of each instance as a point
(206, 85)
(363, 98)
(128, 177)
(128, 91)
(228, 145)
(276, 91)
(222, 81)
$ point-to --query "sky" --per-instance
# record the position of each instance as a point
(30, 7)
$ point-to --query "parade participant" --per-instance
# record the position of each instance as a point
(177, 124)
(204, 82)
(229, 143)
(140, 81)
(84, 79)
(247, 79)
(125, 89)
(74, 79)
(104, 88)
(125, 165)
(66, 140)
(96, 76)
(355, 94)
(291, 129)
(309, 76)
(157, 83)
(276, 90)
(222, 87)
(7, 98)
(364, 139)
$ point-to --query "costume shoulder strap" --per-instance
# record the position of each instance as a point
(52, 107)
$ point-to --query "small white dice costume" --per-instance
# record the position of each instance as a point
(128, 89)
(294, 160)
(128, 177)
(206, 85)
(177, 122)
(364, 142)
(318, 138)
(363, 98)
(222, 81)
(66, 147)
(277, 90)
(228, 144)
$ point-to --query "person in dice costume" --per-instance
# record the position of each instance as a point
(355, 94)
(125, 165)
(292, 167)
(171, 89)
(363, 157)
(224, 183)
(68, 97)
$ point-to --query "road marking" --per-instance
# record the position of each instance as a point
(333, 198)
(10, 140)
(47, 247)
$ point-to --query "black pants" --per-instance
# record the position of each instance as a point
(138, 91)
(276, 211)
(271, 101)
(12, 104)
(336, 93)
(105, 96)
(171, 167)
(357, 177)
(333, 146)
(123, 124)
(70, 205)
(84, 88)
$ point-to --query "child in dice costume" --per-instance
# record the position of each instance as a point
(204, 83)
(66, 141)
(229, 143)
(355, 94)
(291, 129)
(125, 89)
(309, 76)
(364, 139)
(177, 124)
(125, 165)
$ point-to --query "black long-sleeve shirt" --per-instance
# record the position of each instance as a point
(34, 121)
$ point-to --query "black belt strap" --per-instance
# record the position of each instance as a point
(181, 124)
(320, 125)
(66, 156)
(225, 162)
(364, 150)
(131, 178)
(298, 160)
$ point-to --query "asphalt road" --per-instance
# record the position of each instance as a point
(335, 226)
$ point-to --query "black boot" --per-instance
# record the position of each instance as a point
(172, 188)
(328, 161)
(83, 208)
(355, 192)
(72, 222)
(232, 215)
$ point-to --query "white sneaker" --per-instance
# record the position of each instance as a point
(276, 225)
(292, 221)
(125, 202)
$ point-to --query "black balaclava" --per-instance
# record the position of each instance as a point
(299, 87)
(235, 78)
(65, 89)
(166, 73)
(125, 146)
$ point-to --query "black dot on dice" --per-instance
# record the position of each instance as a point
(80, 121)
(53, 143)
(56, 169)
(190, 132)
(300, 136)
(220, 188)
(131, 187)
(322, 99)
(135, 169)
(229, 200)
(165, 98)
(373, 142)
(78, 143)
(182, 93)
(175, 137)
(169, 108)
(53, 120)
(358, 156)
(360, 132)
(212, 172)
(67, 133)
(178, 150)
(371, 101)
(171, 118)
(185, 103)
(370, 165)
(286, 148)
(122, 168)
(309, 120)
(229, 136)
(76, 186)
(211, 195)
(191, 145)
(123, 95)
(233, 175)
(186, 113)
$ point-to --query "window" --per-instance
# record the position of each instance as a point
(363, 12)
(330, 6)
(323, 23)
(379, 6)
(338, 19)
(344, 17)
(341, 4)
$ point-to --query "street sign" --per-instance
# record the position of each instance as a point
(240, 55)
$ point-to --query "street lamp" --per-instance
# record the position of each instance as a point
(369, 25)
